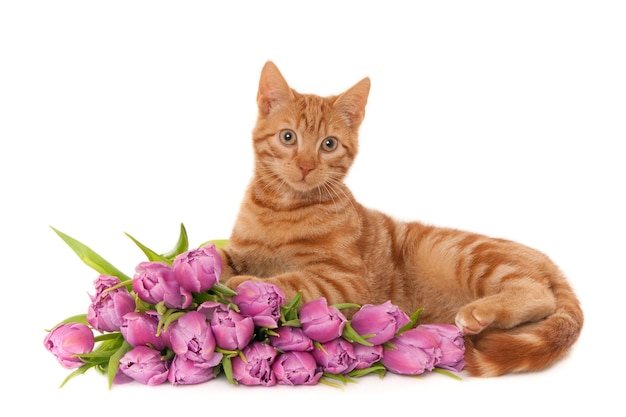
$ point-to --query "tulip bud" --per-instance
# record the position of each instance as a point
(367, 356)
(288, 339)
(380, 322)
(412, 352)
(256, 369)
(232, 330)
(451, 344)
(296, 368)
(321, 322)
(155, 282)
(109, 306)
(197, 270)
(192, 337)
(336, 356)
(261, 301)
(186, 372)
(144, 365)
(67, 340)
(141, 329)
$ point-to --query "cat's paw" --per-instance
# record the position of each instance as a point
(473, 319)
(233, 282)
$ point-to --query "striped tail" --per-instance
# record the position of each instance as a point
(528, 347)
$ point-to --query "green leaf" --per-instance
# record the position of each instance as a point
(114, 362)
(181, 246)
(289, 312)
(343, 306)
(152, 255)
(223, 289)
(91, 258)
(448, 373)
(414, 317)
(219, 243)
(374, 369)
(352, 336)
(79, 318)
(77, 372)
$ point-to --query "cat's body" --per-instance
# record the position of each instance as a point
(300, 227)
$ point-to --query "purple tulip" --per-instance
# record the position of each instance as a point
(321, 322)
(381, 320)
(67, 340)
(192, 337)
(155, 282)
(186, 372)
(141, 329)
(257, 368)
(197, 270)
(451, 344)
(367, 356)
(261, 301)
(108, 307)
(291, 339)
(144, 365)
(232, 331)
(336, 356)
(412, 353)
(296, 368)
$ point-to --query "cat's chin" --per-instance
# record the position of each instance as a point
(304, 188)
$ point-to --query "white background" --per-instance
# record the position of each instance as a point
(505, 118)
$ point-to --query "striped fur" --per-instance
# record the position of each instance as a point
(300, 228)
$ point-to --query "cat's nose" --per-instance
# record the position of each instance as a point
(306, 168)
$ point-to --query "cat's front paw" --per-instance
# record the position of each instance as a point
(473, 319)
(233, 282)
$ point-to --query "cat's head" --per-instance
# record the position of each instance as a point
(305, 143)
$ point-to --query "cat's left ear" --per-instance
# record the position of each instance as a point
(352, 103)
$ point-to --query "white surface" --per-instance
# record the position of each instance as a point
(136, 116)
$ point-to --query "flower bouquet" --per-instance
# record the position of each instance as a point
(174, 321)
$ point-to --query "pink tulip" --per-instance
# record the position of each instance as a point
(109, 306)
(141, 329)
(67, 340)
(155, 282)
(197, 270)
(296, 368)
(321, 322)
(367, 356)
(451, 344)
(336, 356)
(186, 372)
(192, 337)
(290, 339)
(144, 365)
(232, 330)
(261, 301)
(257, 367)
(381, 320)
(412, 352)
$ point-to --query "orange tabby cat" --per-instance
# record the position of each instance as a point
(300, 228)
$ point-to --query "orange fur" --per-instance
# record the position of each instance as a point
(300, 227)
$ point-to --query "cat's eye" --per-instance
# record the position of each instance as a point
(329, 144)
(288, 137)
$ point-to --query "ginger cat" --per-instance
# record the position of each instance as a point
(300, 228)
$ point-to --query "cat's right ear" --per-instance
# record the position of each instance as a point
(274, 92)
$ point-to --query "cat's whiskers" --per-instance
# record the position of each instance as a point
(276, 183)
(335, 184)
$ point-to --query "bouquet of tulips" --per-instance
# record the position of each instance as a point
(173, 321)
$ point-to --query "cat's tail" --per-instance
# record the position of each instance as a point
(529, 347)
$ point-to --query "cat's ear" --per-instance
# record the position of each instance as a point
(274, 91)
(352, 103)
